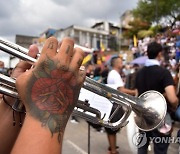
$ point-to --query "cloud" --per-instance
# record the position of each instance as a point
(63, 2)
(6, 7)
(33, 17)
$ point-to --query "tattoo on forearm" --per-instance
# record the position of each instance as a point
(50, 45)
(53, 96)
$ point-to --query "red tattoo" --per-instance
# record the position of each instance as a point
(52, 95)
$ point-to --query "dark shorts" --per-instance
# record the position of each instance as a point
(116, 117)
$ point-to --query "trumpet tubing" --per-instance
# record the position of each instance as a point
(148, 117)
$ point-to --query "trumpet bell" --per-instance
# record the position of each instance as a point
(153, 113)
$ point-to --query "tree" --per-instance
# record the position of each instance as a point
(165, 11)
(135, 26)
(145, 33)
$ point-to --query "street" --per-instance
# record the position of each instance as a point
(76, 140)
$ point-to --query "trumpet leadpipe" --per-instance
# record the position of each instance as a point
(8, 80)
(7, 86)
(8, 90)
(17, 52)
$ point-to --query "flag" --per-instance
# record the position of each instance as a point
(102, 47)
(135, 40)
(87, 58)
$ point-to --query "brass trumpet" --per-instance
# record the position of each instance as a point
(147, 115)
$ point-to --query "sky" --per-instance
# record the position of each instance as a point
(32, 17)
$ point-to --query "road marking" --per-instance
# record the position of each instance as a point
(78, 149)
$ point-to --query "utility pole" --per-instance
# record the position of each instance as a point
(156, 13)
(120, 32)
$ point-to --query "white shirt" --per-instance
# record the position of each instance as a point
(114, 79)
(151, 62)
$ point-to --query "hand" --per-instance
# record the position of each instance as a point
(51, 89)
(7, 116)
(136, 92)
(20, 68)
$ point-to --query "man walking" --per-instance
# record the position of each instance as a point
(115, 81)
(154, 77)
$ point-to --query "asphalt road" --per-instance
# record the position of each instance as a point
(76, 140)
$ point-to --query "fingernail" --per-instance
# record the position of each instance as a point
(82, 68)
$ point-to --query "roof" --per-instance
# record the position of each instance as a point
(49, 32)
(81, 28)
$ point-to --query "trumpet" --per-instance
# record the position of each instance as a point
(147, 115)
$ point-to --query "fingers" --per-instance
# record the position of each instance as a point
(49, 48)
(65, 51)
(22, 66)
(82, 75)
(75, 65)
(76, 59)
(59, 45)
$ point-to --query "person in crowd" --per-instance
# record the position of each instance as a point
(104, 74)
(49, 91)
(1, 64)
(177, 56)
(95, 57)
(97, 74)
(176, 115)
(166, 53)
(131, 77)
(154, 77)
(135, 52)
(90, 70)
(3, 70)
(115, 81)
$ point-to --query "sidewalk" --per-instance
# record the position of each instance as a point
(76, 140)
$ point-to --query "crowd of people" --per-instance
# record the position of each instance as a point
(50, 88)
(159, 72)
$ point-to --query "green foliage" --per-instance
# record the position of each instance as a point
(145, 33)
(156, 10)
(136, 25)
(156, 28)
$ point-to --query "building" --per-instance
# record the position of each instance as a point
(126, 17)
(88, 37)
(26, 41)
(98, 36)
(114, 33)
(101, 36)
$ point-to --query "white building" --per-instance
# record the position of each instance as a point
(84, 36)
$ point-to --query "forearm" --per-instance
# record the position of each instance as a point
(174, 104)
(170, 94)
(37, 139)
(8, 132)
(127, 91)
